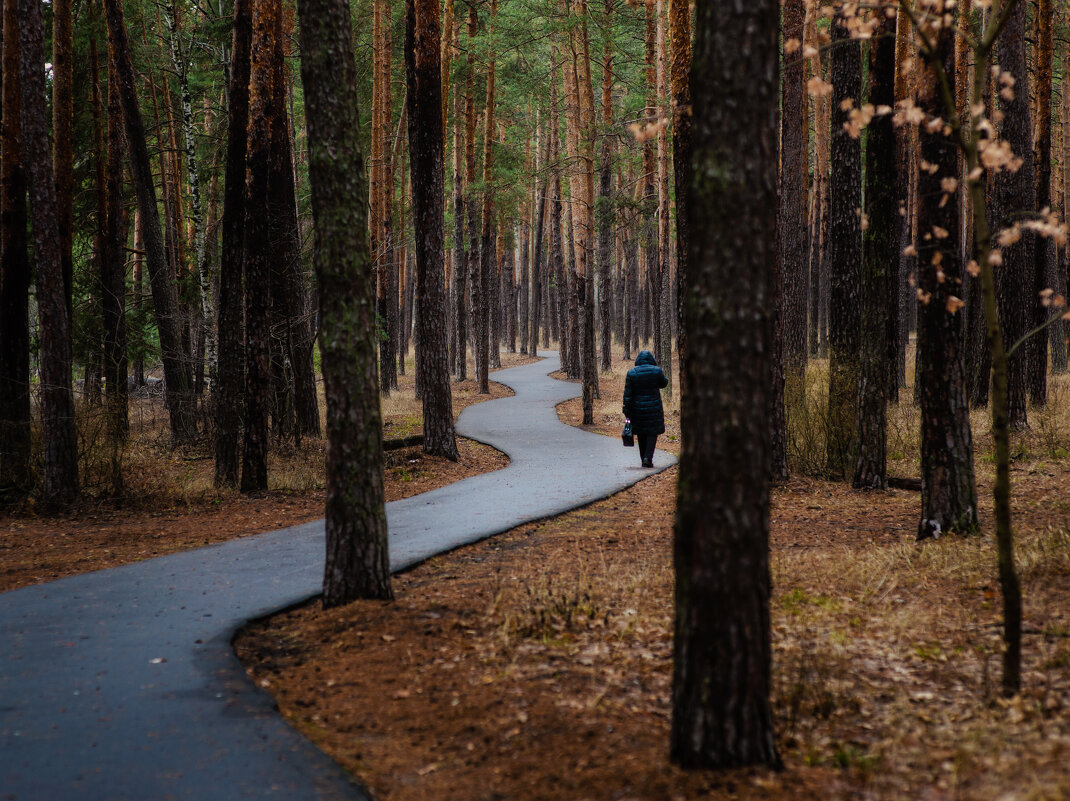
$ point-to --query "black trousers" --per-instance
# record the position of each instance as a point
(647, 443)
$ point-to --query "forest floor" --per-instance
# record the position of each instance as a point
(537, 664)
(169, 503)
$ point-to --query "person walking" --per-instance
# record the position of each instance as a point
(642, 403)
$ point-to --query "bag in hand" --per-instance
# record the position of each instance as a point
(626, 435)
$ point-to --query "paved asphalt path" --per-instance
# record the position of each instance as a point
(122, 684)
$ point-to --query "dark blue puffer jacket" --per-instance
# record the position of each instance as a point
(642, 395)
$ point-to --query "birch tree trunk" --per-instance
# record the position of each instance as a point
(179, 61)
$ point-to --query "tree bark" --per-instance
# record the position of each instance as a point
(358, 563)
(948, 492)
(63, 138)
(423, 65)
(664, 244)
(58, 435)
(1044, 255)
(793, 236)
(721, 548)
(113, 285)
(487, 256)
(16, 477)
(880, 260)
(844, 253)
(680, 79)
(1014, 194)
(460, 253)
(177, 376)
(258, 250)
(228, 393)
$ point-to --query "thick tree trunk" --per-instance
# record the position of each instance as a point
(1014, 195)
(423, 65)
(177, 376)
(880, 260)
(227, 395)
(948, 494)
(58, 435)
(358, 562)
(258, 250)
(844, 253)
(721, 548)
(16, 477)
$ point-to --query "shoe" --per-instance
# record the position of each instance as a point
(648, 463)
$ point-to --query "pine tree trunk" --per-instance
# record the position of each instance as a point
(880, 259)
(844, 254)
(294, 327)
(487, 256)
(1044, 268)
(523, 288)
(475, 286)
(460, 253)
(538, 267)
(59, 439)
(227, 395)
(16, 477)
(113, 285)
(423, 65)
(664, 299)
(680, 79)
(793, 236)
(177, 377)
(606, 211)
(63, 137)
(721, 547)
(652, 308)
(948, 494)
(358, 562)
(258, 250)
(1014, 193)
(1061, 328)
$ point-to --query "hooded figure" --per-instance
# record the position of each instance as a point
(642, 403)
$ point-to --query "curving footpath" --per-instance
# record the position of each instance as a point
(122, 684)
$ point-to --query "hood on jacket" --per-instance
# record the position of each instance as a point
(645, 357)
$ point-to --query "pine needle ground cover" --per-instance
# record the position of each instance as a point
(537, 664)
